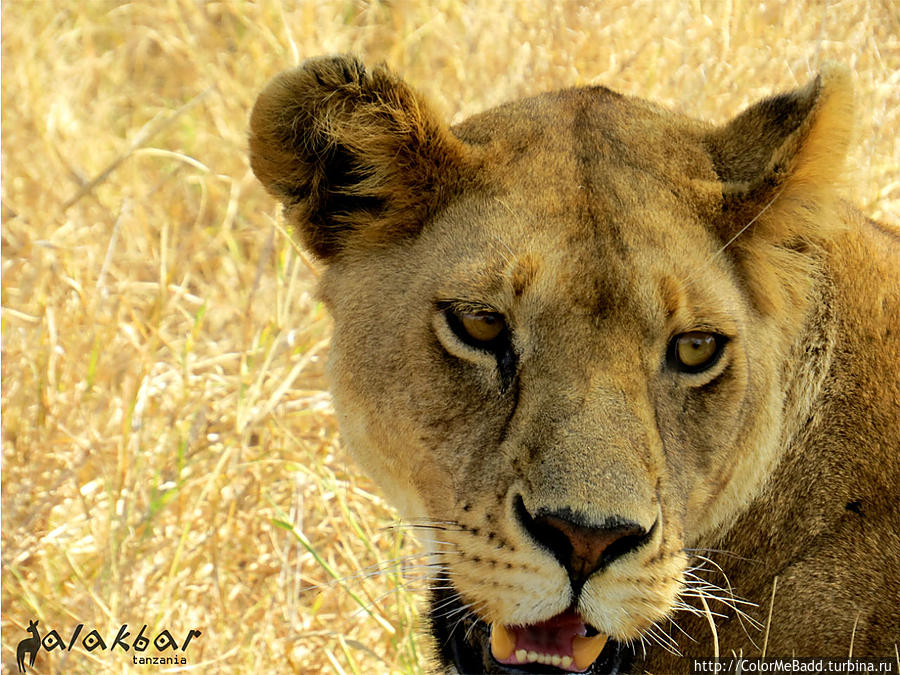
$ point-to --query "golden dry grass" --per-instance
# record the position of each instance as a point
(164, 408)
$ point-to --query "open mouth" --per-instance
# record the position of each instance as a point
(561, 644)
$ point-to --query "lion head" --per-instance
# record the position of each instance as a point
(574, 336)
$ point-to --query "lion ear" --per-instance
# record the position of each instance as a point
(779, 163)
(353, 154)
(783, 156)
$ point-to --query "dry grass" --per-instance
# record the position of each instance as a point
(164, 407)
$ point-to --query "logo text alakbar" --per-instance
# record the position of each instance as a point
(164, 642)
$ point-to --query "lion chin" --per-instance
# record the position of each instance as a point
(632, 376)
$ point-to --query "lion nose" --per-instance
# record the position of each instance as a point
(580, 546)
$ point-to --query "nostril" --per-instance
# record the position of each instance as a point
(580, 546)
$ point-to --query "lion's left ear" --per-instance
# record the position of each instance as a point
(779, 163)
(784, 153)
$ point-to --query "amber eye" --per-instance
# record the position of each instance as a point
(482, 330)
(696, 351)
(482, 327)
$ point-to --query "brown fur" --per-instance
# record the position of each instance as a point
(600, 227)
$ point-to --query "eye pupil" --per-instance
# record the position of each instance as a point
(482, 326)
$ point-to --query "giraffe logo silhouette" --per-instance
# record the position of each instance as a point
(28, 646)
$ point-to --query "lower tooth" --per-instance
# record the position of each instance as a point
(587, 649)
(521, 655)
(565, 661)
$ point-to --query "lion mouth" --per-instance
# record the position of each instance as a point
(561, 641)
(561, 644)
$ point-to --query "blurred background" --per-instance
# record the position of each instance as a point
(169, 452)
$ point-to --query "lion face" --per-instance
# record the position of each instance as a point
(549, 349)
(556, 399)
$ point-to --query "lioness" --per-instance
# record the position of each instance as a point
(629, 370)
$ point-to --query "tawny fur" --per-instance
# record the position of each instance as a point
(600, 227)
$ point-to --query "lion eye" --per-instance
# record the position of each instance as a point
(479, 328)
(481, 332)
(696, 351)
(482, 327)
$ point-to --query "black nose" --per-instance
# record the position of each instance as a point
(582, 547)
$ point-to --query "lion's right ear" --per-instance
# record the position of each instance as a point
(354, 155)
